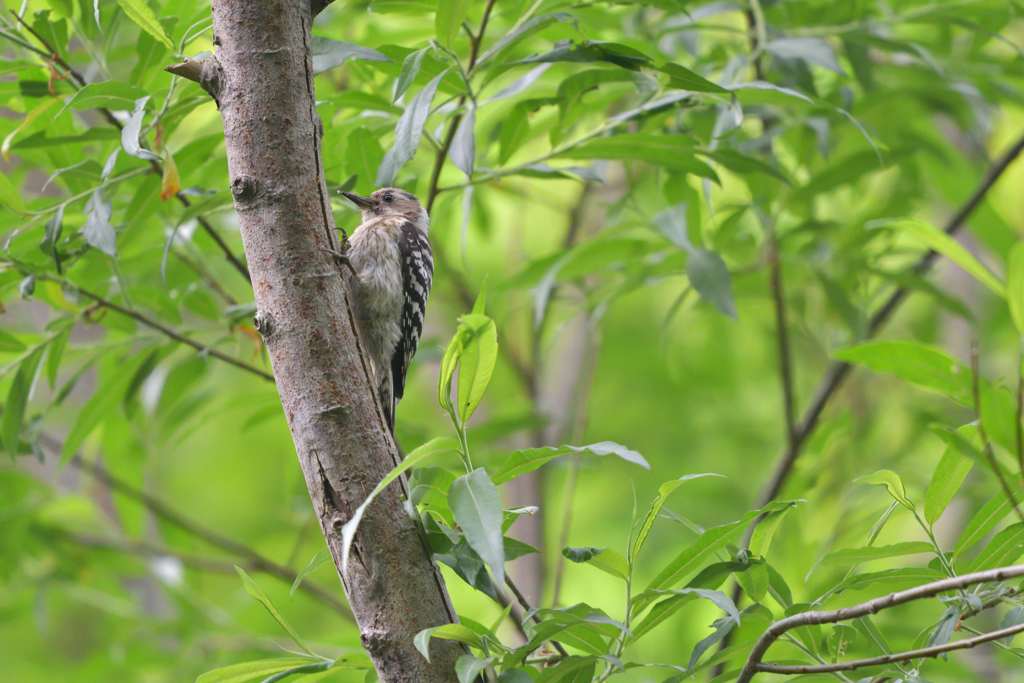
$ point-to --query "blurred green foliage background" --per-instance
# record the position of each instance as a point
(817, 119)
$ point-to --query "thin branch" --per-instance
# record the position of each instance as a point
(525, 604)
(933, 651)
(753, 664)
(160, 327)
(837, 372)
(986, 444)
(785, 355)
(156, 166)
(254, 559)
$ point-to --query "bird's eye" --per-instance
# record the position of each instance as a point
(389, 197)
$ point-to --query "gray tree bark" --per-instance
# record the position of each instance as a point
(262, 79)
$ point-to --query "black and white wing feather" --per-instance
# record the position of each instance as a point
(417, 274)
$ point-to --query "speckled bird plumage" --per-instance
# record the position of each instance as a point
(391, 256)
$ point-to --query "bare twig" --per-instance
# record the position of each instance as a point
(986, 445)
(525, 604)
(777, 629)
(837, 372)
(785, 356)
(160, 327)
(157, 167)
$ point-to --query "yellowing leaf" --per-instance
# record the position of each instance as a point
(139, 12)
(171, 183)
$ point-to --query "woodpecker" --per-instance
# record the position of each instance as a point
(391, 257)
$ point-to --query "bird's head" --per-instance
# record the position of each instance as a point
(388, 201)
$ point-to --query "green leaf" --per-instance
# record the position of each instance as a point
(710, 277)
(98, 230)
(848, 557)
(130, 133)
(931, 237)
(664, 491)
(981, 523)
(948, 477)
(923, 365)
(468, 668)
(463, 152)
(893, 484)
(321, 557)
(257, 594)
(604, 559)
(1004, 548)
(363, 155)
(408, 131)
(476, 363)
(51, 235)
(328, 54)
(476, 504)
(10, 196)
(528, 459)
(813, 50)
(685, 79)
(457, 632)
(139, 12)
(521, 32)
(8, 342)
(675, 152)
(419, 455)
(17, 400)
(450, 15)
(410, 68)
(1015, 285)
(593, 51)
(30, 117)
(116, 95)
(101, 405)
(257, 670)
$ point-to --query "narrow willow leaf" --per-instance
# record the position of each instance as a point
(848, 557)
(17, 400)
(139, 12)
(30, 117)
(1015, 285)
(685, 79)
(328, 54)
(51, 235)
(919, 364)
(477, 359)
(528, 459)
(521, 32)
(812, 50)
(1004, 549)
(410, 68)
(476, 504)
(892, 483)
(982, 523)
(115, 95)
(132, 129)
(593, 51)
(464, 143)
(8, 342)
(55, 351)
(710, 277)
(257, 670)
(419, 455)
(664, 491)
(931, 237)
(458, 632)
(320, 558)
(408, 132)
(98, 231)
(948, 477)
(675, 152)
(257, 594)
(449, 16)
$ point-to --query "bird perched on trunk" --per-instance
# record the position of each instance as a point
(394, 266)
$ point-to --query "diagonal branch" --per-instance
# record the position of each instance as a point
(160, 327)
(777, 629)
(986, 445)
(837, 372)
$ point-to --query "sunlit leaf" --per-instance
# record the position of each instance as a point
(139, 12)
(450, 15)
(253, 589)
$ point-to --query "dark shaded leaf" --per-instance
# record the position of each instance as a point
(710, 277)
(17, 400)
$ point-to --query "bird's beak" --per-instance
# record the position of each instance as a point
(359, 200)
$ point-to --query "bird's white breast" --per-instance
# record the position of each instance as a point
(374, 254)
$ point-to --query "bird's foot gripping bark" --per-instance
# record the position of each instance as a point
(341, 257)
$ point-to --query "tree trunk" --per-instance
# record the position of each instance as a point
(262, 79)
